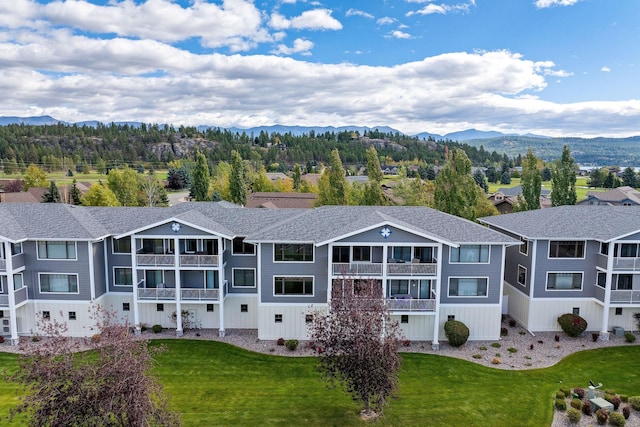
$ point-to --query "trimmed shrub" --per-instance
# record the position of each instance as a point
(624, 398)
(291, 344)
(579, 392)
(496, 361)
(602, 416)
(477, 356)
(634, 401)
(561, 404)
(504, 332)
(95, 338)
(280, 341)
(1, 339)
(560, 394)
(406, 343)
(512, 350)
(456, 332)
(629, 337)
(609, 397)
(626, 412)
(573, 415)
(587, 409)
(156, 329)
(482, 348)
(566, 391)
(616, 419)
(615, 401)
(576, 403)
(609, 391)
(572, 324)
(496, 345)
(512, 323)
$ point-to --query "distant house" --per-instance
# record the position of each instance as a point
(621, 196)
(505, 198)
(33, 195)
(274, 200)
(275, 176)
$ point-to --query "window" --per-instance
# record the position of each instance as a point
(399, 287)
(122, 246)
(295, 252)
(522, 275)
(293, 286)
(467, 287)
(340, 254)
(564, 281)
(244, 308)
(628, 250)
(17, 281)
(308, 318)
(126, 306)
(625, 282)
(159, 307)
(59, 283)
(278, 318)
(604, 248)
(190, 246)
(618, 311)
(602, 280)
(404, 318)
(16, 248)
(470, 254)
(402, 253)
(244, 278)
(72, 315)
(362, 253)
(242, 248)
(451, 317)
(122, 276)
(566, 249)
(46, 315)
(209, 308)
(56, 250)
(524, 246)
(576, 311)
(424, 254)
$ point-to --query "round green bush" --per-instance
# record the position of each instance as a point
(560, 394)
(496, 345)
(561, 404)
(456, 332)
(616, 419)
(156, 329)
(629, 337)
(573, 415)
(634, 401)
(572, 324)
(576, 403)
(291, 344)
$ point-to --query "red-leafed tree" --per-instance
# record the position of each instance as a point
(103, 380)
(358, 342)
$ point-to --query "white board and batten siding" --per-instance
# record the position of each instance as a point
(624, 320)
(234, 317)
(293, 325)
(518, 305)
(59, 311)
(419, 328)
(483, 321)
(545, 313)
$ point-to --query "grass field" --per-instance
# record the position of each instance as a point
(581, 186)
(212, 383)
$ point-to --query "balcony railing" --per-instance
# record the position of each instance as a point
(3, 264)
(411, 269)
(200, 294)
(155, 260)
(629, 264)
(156, 293)
(357, 269)
(629, 297)
(186, 294)
(411, 304)
(4, 300)
(19, 294)
(198, 260)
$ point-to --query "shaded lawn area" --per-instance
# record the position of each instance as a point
(212, 383)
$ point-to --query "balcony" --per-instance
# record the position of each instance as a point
(411, 269)
(357, 269)
(4, 300)
(410, 305)
(625, 297)
(161, 293)
(20, 296)
(198, 260)
(626, 264)
(3, 264)
(151, 260)
(200, 294)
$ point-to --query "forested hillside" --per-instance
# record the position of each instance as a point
(61, 146)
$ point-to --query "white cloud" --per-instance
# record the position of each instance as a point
(387, 20)
(541, 4)
(316, 19)
(441, 9)
(300, 46)
(605, 69)
(397, 34)
(356, 12)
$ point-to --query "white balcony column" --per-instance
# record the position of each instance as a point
(92, 273)
(13, 321)
(435, 344)
(221, 283)
(385, 261)
(604, 330)
(329, 272)
(134, 282)
(176, 274)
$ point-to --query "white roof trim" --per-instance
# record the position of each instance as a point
(168, 220)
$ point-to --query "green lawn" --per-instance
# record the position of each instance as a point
(211, 383)
(581, 186)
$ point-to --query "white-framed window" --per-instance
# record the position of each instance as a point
(399, 287)
(122, 276)
(601, 280)
(293, 286)
(564, 281)
(362, 253)
(341, 254)
(470, 254)
(522, 275)
(122, 246)
(56, 250)
(16, 248)
(566, 249)
(524, 246)
(604, 248)
(239, 247)
(624, 282)
(468, 286)
(191, 246)
(18, 281)
(154, 278)
(293, 252)
(244, 278)
(53, 283)
(627, 250)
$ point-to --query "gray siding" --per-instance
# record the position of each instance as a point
(241, 261)
(635, 237)
(98, 268)
(492, 271)
(116, 260)
(317, 269)
(36, 266)
(396, 237)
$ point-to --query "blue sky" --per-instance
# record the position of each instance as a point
(553, 67)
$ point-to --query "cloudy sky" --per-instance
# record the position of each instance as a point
(553, 67)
